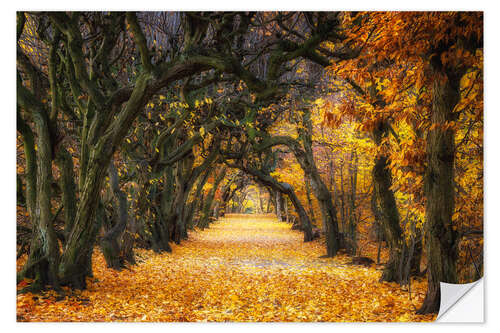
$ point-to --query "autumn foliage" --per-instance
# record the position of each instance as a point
(354, 138)
(241, 269)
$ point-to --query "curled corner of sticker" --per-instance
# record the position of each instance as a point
(461, 303)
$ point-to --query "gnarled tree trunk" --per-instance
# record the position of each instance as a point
(205, 214)
(306, 160)
(114, 251)
(440, 237)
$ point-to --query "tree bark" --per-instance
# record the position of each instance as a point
(68, 186)
(440, 236)
(389, 217)
(342, 199)
(323, 195)
(184, 167)
(30, 173)
(43, 259)
(278, 206)
(111, 244)
(352, 222)
(309, 200)
(385, 209)
(205, 215)
(196, 197)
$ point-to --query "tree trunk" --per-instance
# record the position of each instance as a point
(270, 201)
(196, 197)
(278, 206)
(179, 203)
(30, 156)
(303, 218)
(219, 202)
(74, 261)
(43, 259)
(352, 222)
(342, 199)
(324, 197)
(389, 218)
(162, 226)
(309, 201)
(75, 264)
(440, 237)
(20, 199)
(205, 215)
(335, 190)
(285, 204)
(261, 201)
(111, 241)
(68, 186)
(306, 160)
(385, 209)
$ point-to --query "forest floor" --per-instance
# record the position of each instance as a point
(243, 268)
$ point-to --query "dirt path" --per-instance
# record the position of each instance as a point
(244, 268)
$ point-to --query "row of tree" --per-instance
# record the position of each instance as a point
(136, 127)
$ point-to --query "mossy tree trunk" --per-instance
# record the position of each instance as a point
(68, 186)
(161, 230)
(184, 167)
(30, 173)
(111, 241)
(43, 259)
(205, 214)
(191, 211)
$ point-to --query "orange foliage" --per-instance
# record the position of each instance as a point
(241, 269)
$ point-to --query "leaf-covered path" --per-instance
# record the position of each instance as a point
(243, 268)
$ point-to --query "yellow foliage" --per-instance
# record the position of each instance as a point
(240, 269)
